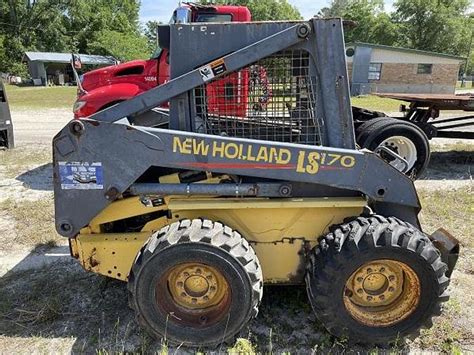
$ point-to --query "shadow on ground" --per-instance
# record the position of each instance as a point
(450, 165)
(40, 178)
(59, 307)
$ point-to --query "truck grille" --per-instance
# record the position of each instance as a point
(273, 99)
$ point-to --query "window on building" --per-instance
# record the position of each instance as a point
(375, 71)
(425, 68)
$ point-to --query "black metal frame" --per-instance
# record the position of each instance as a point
(6, 125)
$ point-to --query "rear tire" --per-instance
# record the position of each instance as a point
(375, 280)
(195, 283)
(403, 137)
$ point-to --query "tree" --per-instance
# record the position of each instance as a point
(65, 26)
(123, 46)
(435, 25)
(266, 10)
(151, 33)
(335, 9)
(373, 25)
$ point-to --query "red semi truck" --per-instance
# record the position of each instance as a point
(108, 86)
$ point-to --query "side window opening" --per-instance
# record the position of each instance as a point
(375, 71)
(425, 68)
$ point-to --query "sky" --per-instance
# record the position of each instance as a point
(161, 10)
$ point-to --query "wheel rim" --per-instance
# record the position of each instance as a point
(382, 293)
(404, 147)
(194, 293)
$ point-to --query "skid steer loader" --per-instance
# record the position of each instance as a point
(198, 215)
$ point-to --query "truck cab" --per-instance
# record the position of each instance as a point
(108, 86)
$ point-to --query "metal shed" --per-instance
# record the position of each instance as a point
(46, 67)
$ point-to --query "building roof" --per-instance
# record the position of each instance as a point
(407, 50)
(51, 57)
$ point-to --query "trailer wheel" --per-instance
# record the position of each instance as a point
(376, 279)
(401, 137)
(196, 283)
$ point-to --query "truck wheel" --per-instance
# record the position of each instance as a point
(196, 283)
(402, 137)
(375, 279)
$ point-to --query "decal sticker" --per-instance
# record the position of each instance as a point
(81, 176)
(210, 71)
(260, 157)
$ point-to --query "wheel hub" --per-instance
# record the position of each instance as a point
(196, 286)
(405, 148)
(382, 292)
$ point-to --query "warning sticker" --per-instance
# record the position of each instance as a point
(81, 176)
(210, 71)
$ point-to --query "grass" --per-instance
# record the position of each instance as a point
(64, 97)
(19, 160)
(450, 209)
(34, 223)
(444, 336)
(376, 103)
(469, 85)
(41, 97)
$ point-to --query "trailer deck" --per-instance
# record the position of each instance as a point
(425, 109)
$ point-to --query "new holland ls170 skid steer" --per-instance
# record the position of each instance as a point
(198, 215)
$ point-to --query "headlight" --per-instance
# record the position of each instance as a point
(78, 105)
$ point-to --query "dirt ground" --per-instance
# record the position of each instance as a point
(49, 304)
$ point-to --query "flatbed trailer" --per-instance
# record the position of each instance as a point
(424, 110)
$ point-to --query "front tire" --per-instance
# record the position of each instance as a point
(196, 283)
(375, 280)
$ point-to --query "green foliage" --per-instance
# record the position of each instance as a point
(65, 26)
(373, 24)
(123, 46)
(242, 346)
(435, 25)
(266, 10)
(150, 31)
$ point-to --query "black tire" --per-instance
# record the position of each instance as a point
(206, 243)
(372, 133)
(364, 240)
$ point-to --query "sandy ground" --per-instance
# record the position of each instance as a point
(38, 127)
(57, 307)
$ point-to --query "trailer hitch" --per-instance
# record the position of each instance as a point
(448, 246)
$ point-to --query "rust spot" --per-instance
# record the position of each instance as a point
(92, 261)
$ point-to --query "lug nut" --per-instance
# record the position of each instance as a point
(391, 289)
(360, 290)
(369, 298)
(391, 278)
(382, 269)
(180, 284)
(360, 279)
(382, 297)
(183, 294)
(369, 270)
